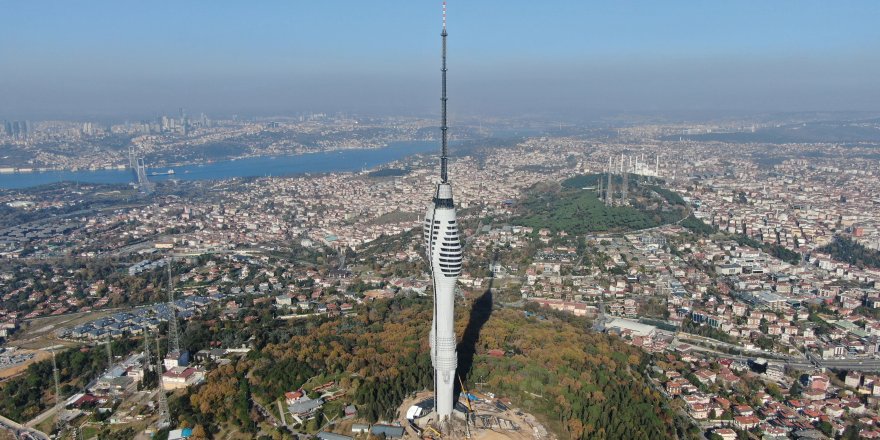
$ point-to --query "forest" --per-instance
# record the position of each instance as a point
(845, 249)
(589, 385)
(389, 172)
(379, 356)
(581, 383)
(567, 208)
(24, 397)
(699, 227)
(776, 250)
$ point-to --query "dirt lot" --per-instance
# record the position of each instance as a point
(39, 355)
(38, 329)
(38, 334)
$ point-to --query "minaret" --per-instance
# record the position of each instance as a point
(624, 173)
(444, 252)
(609, 189)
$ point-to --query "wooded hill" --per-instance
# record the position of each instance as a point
(575, 208)
(580, 383)
(845, 249)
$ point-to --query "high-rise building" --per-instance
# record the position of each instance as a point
(18, 129)
(444, 252)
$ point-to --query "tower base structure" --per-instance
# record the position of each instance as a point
(427, 422)
(481, 416)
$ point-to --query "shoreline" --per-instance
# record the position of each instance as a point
(339, 160)
(6, 170)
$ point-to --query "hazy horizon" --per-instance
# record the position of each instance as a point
(125, 60)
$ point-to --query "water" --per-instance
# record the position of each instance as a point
(330, 161)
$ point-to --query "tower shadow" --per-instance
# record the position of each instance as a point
(481, 310)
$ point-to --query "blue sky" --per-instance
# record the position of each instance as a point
(116, 57)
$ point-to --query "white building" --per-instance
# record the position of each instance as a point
(181, 377)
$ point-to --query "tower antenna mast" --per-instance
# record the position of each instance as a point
(443, 127)
(164, 414)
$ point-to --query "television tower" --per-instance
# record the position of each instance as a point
(445, 254)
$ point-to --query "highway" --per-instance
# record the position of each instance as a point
(798, 363)
(863, 365)
(710, 346)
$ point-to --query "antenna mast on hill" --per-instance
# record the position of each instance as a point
(164, 413)
(57, 381)
(173, 338)
(146, 352)
(109, 352)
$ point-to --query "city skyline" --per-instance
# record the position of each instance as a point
(106, 59)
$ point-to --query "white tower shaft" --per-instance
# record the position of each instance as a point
(444, 251)
(443, 248)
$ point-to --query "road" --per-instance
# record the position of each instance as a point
(796, 364)
(271, 418)
(21, 432)
(714, 343)
(864, 365)
(809, 362)
(42, 417)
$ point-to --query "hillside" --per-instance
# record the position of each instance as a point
(582, 384)
(29, 394)
(588, 385)
(571, 208)
(845, 249)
